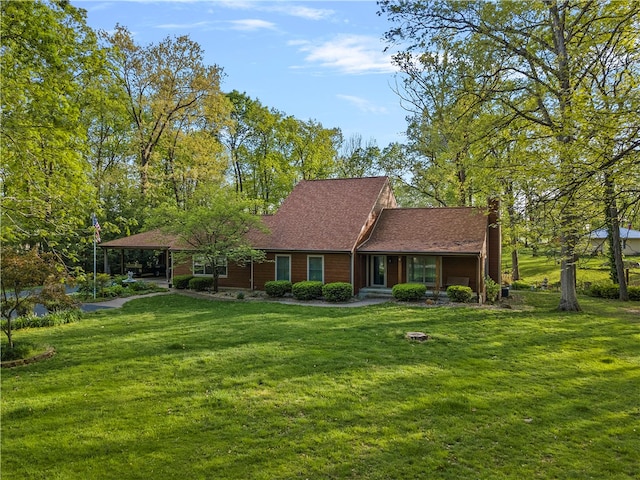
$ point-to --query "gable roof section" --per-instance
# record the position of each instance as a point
(428, 230)
(322, 215)
(150, 240)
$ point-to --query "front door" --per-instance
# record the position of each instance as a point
(378, 270)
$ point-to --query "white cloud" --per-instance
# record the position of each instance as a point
(287, 8)
(183, 26)
(349, 54)
(362, 104)
(251, 24)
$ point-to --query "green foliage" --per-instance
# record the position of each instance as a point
(214, 227)
(520, 285)
(492, 289)
(337, 292)
(277, 288)
(21, 275)
(60, 317)
(612, 291)
(459, 293)
(181, 282)
(240, 296)
(307, 290)
(409, 292)
(200, 284)
(48, 57)
(86, 285)
(19, 351)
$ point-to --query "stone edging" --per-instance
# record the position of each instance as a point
(50, 352)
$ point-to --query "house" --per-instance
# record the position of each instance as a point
(630, 240)
(351, 230)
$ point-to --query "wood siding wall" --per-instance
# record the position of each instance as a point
(337, 268)
(461, 267)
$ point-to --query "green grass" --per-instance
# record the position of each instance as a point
(171, 387)
(590, 269)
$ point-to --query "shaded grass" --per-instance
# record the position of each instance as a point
(590, 269)
(171, 387)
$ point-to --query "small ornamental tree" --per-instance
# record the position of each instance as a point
(214, 227)
(22, 275)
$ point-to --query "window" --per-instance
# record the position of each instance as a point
(202, 267)
(283, 267)
(422, 270)
(315, 268)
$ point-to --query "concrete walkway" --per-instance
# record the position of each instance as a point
(118, 302)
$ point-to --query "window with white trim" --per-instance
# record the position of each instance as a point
(315, 268)
(201, 267)
(283, 267)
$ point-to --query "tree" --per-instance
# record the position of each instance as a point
(536, 58)
(49, 57)
(22, 275)
(165, 83)
(358, 158)
(214, 227)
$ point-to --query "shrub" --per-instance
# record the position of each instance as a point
(458, 293)
(200, 284)
(240, 296)
(492, 289)
(408, 292)
(520, 285)
(60, 317)
(277, 288)
(337, 292)
(612, 291)
(181, 282)
(604, 290)
(307, 290)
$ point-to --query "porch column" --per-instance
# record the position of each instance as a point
(479, 285)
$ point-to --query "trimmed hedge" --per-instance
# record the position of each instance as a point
(181, 282)
(409, 292)
(612, 291)
(200, 284)
(458, 293)
(277, 288)
(308, 290)
(337, 292)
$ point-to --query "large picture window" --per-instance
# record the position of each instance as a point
(202, 267)
(283, 267)
(422, 270)
(315, 268)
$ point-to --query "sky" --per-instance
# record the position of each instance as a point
(316, 60)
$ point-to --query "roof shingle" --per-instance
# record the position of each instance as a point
(428, 230)
(325, 214)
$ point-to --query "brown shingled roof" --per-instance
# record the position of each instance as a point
(322, 215)
(152, 240)
(428, 230)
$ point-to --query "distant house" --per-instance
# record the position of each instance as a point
(351, 230)
(630, 240)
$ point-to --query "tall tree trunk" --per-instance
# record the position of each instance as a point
(615, 247)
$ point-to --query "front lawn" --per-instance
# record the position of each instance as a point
(172, 387)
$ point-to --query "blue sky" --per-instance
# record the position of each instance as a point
(320, 60)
